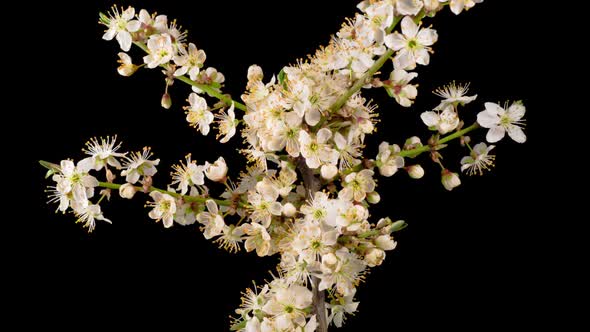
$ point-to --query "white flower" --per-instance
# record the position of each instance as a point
(341, 268)
(289, 304)
(415, 171)
(153, 23)
(88, 216)
(190, 62)
(399, 87)
(328, 172)
(227, 124)
(198, 114)
(189, 174)
(357, 185)
(385, 242)
(138, 164)
(216, 171)
(127, 68)
(453, 94)
(316, 150)
(444, 122)
(264, 204)
(499, 121)
(311, 240)
(127, 190)
(120, 25)
(388, 159)
(374, 257)
(163, 208)
(412, 45)
(342, 305)
(457, 6)
(402, 7)
(450, 180)
(212, 220)
(479, 160)
(74, 184)
(102, 153)
(209, 76)
(160, 50)
(231, 238)
(257, 238)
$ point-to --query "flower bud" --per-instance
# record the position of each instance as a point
(127, 68)
(289, 210)
(329, 260)
(373, 197)
(127, 190)
(329, 171)
(216, 171)
(385, 242)
(166, 101)
(415, 171)
(374, 257)
(449, 179)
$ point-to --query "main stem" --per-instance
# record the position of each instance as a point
(312, 184)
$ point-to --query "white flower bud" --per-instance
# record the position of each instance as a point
(385, 242)
(329, 260)
(166, 101)
(127, 190)
(216, 171)
(374, 257)
(415, 171)
(450, 180)
(329, 171)
(373, 197)
(127, 68)
(289, 210)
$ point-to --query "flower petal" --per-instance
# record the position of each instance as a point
(516, 133)
(495, 134)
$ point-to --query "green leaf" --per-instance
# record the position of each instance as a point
(49, 166)
(398, 226)
(281, 77)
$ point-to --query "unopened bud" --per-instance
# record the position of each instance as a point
(127, 190)
(385, 242)
(166, 101)
(216, 171)
(374, 257)
(329, 171)
(289, 210)
(450, 180)
(415, 171)
(373, 197)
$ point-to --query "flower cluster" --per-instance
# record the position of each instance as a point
(307, 191)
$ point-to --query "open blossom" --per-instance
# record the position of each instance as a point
(74, 185)
(187, 174)
(227, 124)
(343, 305)
(139, 164)
(500, 120)
(163, 208)
(400, 7)
(412, 45)
(120, 25)
(357, 185)
(257, 238)
(316, 150)
(453, 94)
(288, 305)
(190, 61)
(445, 121)
(198, 114)
(88, 216)
(457, 6)
(102, 153)
(212, 220)
(342, 269)
(479, 160)
(400, 88)
(160, 49)
(264, 204)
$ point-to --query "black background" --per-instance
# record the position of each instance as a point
(470, 258)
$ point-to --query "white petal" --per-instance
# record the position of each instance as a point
(324, 135)
(409, 28)
(422, 57)
(516, 134)
(487, 119)
(516, 111)
(109, 35)
(133, 26)
(494, 108)
(395, 41)
(430, 118)
(124, 39)
(427, 37)
(312, 116)
(495, 134)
